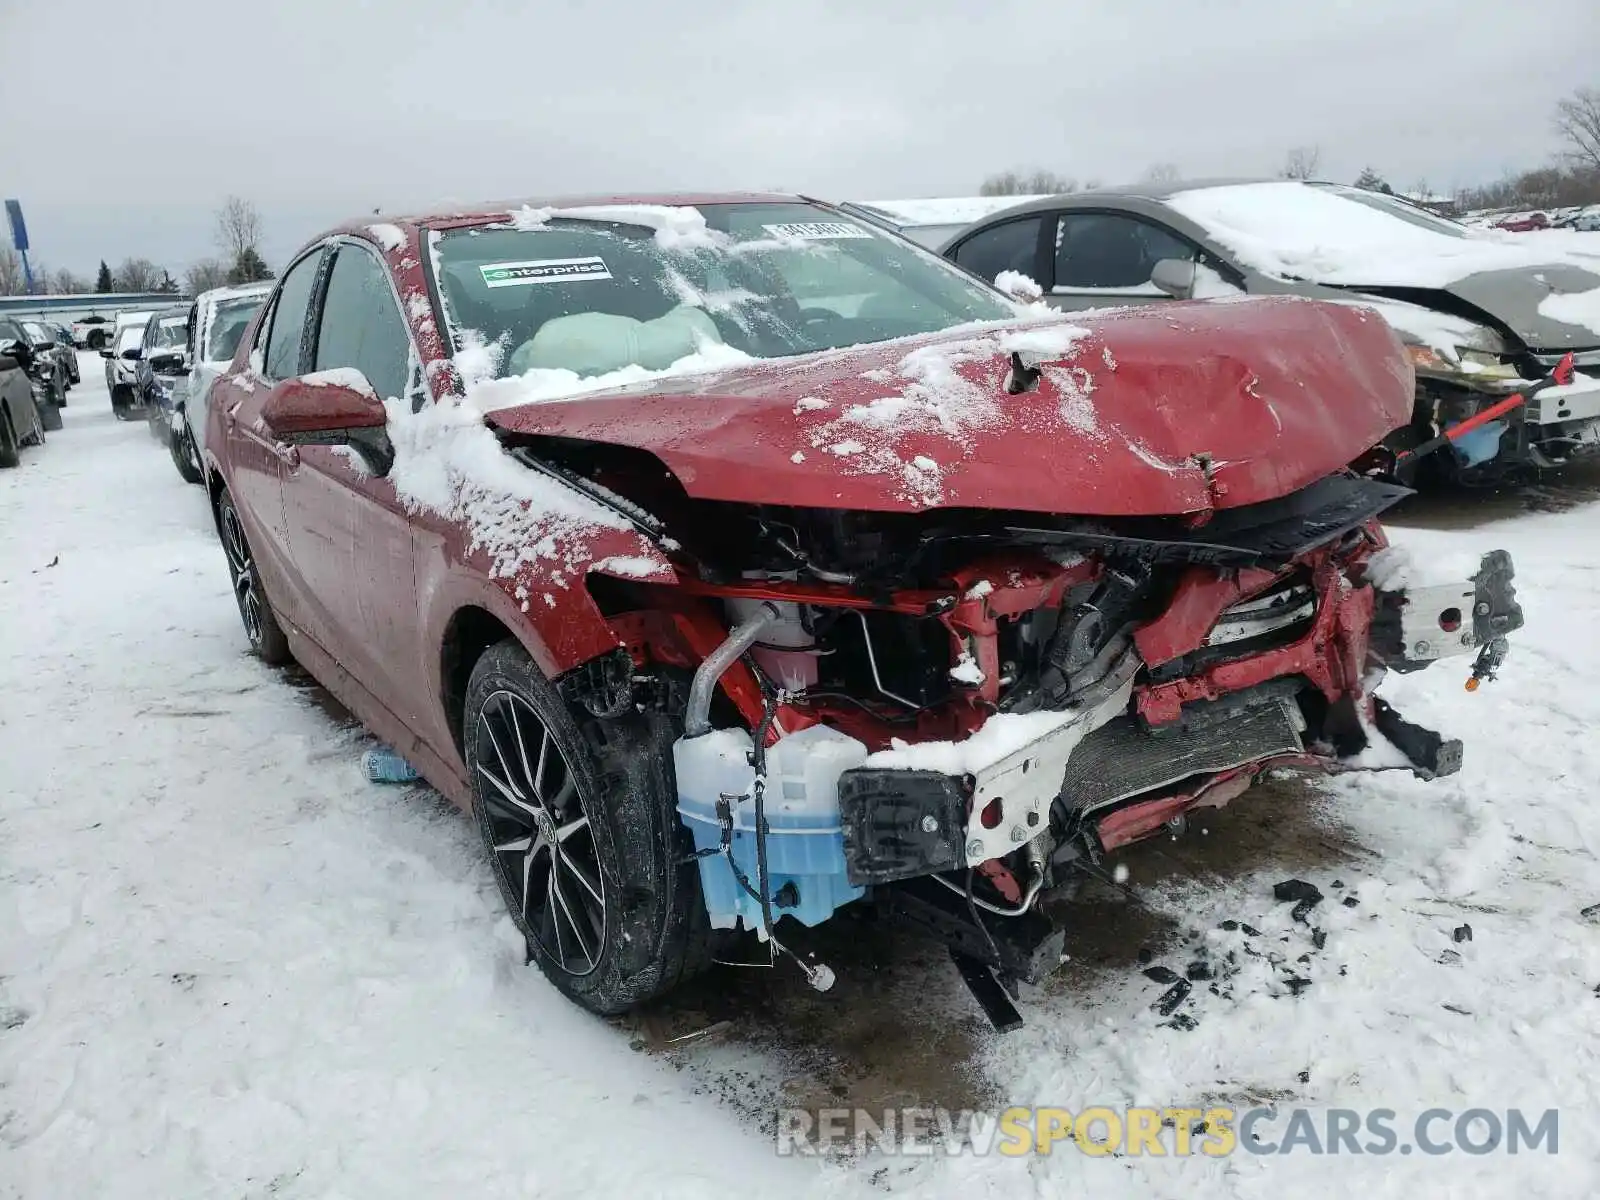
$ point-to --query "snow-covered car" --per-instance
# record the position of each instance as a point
(1482, 314)
(160, 368)
(121, 352)
(734, 561)
(216, 325)
(932, 222)
(92, 332)
(20, 424)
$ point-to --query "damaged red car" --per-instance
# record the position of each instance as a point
(734, 562)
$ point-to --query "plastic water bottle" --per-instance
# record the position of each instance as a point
(383, 765)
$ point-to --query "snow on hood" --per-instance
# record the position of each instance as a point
(1300, 231)
(1574, 308)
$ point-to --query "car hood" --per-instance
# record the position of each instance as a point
(1158, 410)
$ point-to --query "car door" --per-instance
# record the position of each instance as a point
(255, 456)
(1015, 245)
(1102, 258)
(349, 536)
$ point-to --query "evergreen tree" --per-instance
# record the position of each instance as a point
(102, 281)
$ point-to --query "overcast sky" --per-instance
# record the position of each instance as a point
(123, 125)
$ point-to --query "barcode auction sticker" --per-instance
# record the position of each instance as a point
(543, 270)
(818, 231)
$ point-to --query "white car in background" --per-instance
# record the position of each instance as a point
(121, 371)
(217, 322)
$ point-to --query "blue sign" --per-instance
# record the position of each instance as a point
(19, 229)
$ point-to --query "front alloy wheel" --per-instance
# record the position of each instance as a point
(541, 840)
(260, 625)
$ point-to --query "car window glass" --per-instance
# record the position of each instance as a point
(1109, 250)
(289, 319)
(361, 324)
(1013, 246)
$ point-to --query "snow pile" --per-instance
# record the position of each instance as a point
(1018, 286)
(390, 237)
(967, 671)
(676, 227)
(1000, 735)
(1299, 231)
(936, 398)
(1574, 308)
(340, 377)
(947, 210)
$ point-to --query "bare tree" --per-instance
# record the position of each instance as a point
(138, 275)
(1301, 162)
(65, 283)
(1162, 172)
(12, 280)
(1027, 183)
(206, 274)
(238, 228)
(1578, 123)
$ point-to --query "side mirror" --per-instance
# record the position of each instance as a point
(313, 412)
(133, 354)
(1175, 277)
(107, 352)
(332, 408)
(19, 352)
(168, 364)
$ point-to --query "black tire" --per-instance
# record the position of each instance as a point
(97, 340)
(10, 456)
(50, 414)
(185, 454)
(611, 911)
(255, 610)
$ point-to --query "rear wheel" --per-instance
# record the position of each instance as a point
(260, 625)
(9, 454)
(185, 454)
(581, 829)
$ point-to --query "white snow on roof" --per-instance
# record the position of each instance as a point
(1573, 308)
(390, 237)
(680, 227)
(947, 210)
(1299, 231)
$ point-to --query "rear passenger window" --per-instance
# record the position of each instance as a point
(1013, 246)
(361, 324)
(287, 336)
(1110, 250)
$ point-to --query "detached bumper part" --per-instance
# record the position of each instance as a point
(1415, 627)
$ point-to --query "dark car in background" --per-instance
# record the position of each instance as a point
(19, 411)
(50, 361)
(66, 348)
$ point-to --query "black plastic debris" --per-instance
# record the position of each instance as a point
(1460, 1012)
(1296, 983)
(1302, 911)
(1336, 884)
(1160, 974)
(1592, 913)
(1145, 955)
(1181, 1021)
(1230, 925)
(1304, 1077)
(1197, 970)
(1171, 998)
(1249, 930)
(1297, 890)
(1448, 958)
(1319, 938)
(1349, 902)
(1462, 933)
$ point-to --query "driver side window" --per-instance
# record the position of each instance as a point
(361, 326)
(1111, 250)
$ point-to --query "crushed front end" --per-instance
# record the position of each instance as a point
(954, 713)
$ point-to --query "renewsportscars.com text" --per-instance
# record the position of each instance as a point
(1214, 1132)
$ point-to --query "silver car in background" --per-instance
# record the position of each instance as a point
(122, 371)
(217, 323)
(1480, 312)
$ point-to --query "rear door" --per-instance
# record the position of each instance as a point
(349, 537)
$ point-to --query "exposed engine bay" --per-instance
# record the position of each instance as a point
(957, 712)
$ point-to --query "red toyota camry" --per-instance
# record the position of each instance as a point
(734, 561)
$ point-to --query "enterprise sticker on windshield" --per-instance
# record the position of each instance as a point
(818, 231)
(543, 270)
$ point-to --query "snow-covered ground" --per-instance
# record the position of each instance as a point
(230, 967)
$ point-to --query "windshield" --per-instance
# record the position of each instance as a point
(228, 324)
(769, 279)
(129, 337)
(1395, 207)
(170, 331)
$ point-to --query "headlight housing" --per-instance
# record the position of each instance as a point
(1467, 364)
